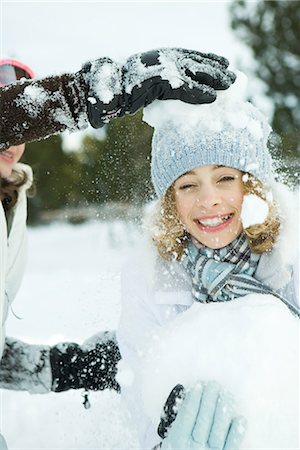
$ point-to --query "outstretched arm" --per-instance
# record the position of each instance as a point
(32, 110)
(41, 369)
(104, 89)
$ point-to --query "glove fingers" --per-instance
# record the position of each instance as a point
(201, 77)
(200, 57)
(185, 420)
(222, 420)
(218, 81)
(236, 433)
(206, 413)
(192, 93)
(204, 68)
(213, 76)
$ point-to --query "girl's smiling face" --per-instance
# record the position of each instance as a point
(9, 158)
(209, 201)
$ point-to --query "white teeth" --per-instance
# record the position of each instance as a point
(215, 221)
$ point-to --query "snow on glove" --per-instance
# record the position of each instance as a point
(164, 74)
(35, 109)
(40, 369)
(90, 366)
(206, 421)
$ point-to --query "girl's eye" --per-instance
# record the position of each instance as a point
(228, 178)
(186, 186)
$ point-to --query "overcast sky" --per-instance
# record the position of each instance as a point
(59, 36)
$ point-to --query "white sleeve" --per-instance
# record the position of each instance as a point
(136, 325)
(17, 248)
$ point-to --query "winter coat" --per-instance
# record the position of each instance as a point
(13, 242)
(154, 292)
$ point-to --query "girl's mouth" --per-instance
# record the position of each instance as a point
(6, 156)
(214, 224)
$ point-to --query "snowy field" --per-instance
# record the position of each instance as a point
(71, 290)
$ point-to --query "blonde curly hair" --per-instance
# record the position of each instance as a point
(171, 238)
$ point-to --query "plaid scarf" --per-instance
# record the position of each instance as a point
(226, 273)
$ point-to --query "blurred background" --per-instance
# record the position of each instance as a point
(105, 173)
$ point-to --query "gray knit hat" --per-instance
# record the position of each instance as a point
(228, 132)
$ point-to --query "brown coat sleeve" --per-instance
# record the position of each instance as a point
(33, 110)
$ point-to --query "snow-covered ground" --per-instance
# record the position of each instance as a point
(71, 290)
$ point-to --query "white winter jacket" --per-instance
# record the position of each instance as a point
(12, 250)
(154, 292)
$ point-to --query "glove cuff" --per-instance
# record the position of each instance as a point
(25, 367)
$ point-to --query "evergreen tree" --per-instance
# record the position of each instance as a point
(55, 176)
(272, 30)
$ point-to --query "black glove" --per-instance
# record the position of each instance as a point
(41, 369)
(91, 366)
(170, 73)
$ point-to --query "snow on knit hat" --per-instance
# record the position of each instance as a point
(228, 132)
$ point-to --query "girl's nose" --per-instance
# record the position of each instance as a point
(208, 198)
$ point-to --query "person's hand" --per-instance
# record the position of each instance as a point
(168, 73)
(67, 365)
(206, 421)
(92, 365)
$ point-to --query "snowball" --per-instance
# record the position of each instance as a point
(255, 210)
(250, 346)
